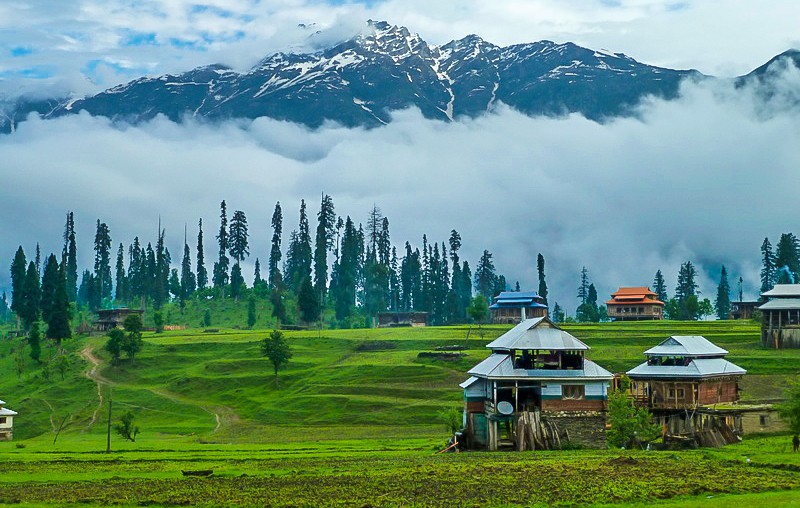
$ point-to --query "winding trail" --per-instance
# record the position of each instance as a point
(93, 374)
(223, 415)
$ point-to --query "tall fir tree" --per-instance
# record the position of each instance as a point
(31, 296)
(274, 276)
(542, 282)
(298, 257)
(348, 271)
(220, 275)
(160, 270)
(102, 260)
(324, 242)
(485, 276)
(660, 287)
(257, 280)
(71, 254)
(767, 266)
(188, 278)
(202, 273)
(58, 326)
(38, 260)
(723, 302)
(49, 285)
(121, 294)
(787, 259)
(18, 268)
(686, 285)
(239, 249)
(583, 289)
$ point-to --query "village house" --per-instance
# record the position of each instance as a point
(6, 422)
(512, 307)
(108, 319)
(634, 304)
(744, 309)
(780, 325)
(401, 319)
(536, 390)
(686, 382)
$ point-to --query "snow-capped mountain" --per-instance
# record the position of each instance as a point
(359, 82)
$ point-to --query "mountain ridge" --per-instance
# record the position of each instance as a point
(362, 80)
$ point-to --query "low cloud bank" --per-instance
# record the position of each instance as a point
(704, 178)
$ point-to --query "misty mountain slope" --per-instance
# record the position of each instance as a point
(359, 82)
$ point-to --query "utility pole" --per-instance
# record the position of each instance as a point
(108, 433)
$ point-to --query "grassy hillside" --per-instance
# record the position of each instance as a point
(340, 384)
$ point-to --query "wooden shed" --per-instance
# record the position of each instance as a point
(6, 422)
(108, 319)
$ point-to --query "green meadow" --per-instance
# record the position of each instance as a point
(354, 419)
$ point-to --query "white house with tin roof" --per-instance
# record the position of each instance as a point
(536, 367)
(780, 324)
(6, 422)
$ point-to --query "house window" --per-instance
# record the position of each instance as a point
(2, 420)
(573, 392)
(763, 420)
(673, 392)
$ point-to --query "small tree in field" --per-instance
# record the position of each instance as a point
(630, 426)
(133, 341)
(277, 350)
(116, 338)
(477, 311)
(127, 427)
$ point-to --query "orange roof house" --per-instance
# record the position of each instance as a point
(634, 304)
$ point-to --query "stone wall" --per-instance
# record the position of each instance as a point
(585, 428)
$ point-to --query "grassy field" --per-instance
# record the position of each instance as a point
(354, 418)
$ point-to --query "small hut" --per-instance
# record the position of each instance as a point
(108, 319)
(512, 307)
(402, 319)
(6, 422)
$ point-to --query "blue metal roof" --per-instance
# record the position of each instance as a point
(698, 368)
(517, 299)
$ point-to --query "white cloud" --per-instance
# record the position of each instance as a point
(704, 178)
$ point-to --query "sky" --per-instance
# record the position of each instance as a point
(702, 178)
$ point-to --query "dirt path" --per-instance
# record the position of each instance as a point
(223, 415)
(52, 412)
(92, 373)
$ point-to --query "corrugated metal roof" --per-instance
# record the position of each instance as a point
(2, 402)
(783, 291)
(517, 304)
(7, 412)
(468, 382)
(781, 304)
(698, 368)
(538, 333)
(500, 366)
(686, 345)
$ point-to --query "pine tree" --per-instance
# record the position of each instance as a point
(298, 257)
(237, 282)
(160, 270)
(787, 259)
(71, 254)
(723, 302)
(274, 276)
(307, 302)
(38, 260)
(257, 280)
(188, 281)
(58, 326)
(542, 283)
(767, 266)
(34, 341)
(660, 287)
(558, 313)
(31, 297)
(202, 273)
(374, 221)
(137, 273)
(18, 267)
(583, 289)
(348, 271)
(238, 245)
(326, 229)
(485, 277)
(122, 292)
(220, 275)
(686, 286)
(49, 285)
(102, 260)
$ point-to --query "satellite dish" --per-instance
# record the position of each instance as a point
(505, 408)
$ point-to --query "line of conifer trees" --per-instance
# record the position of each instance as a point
(349, 268)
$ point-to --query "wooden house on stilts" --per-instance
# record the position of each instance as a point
(682, 382)
(780, 324)
(536, 390)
